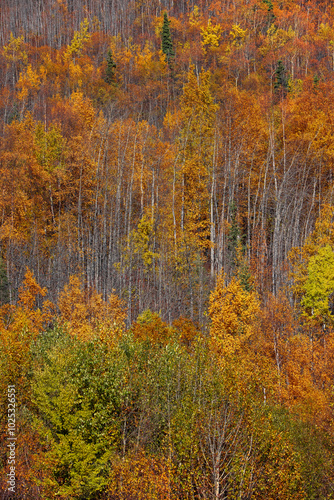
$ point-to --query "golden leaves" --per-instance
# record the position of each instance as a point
(322, 236)
(30, 81)
(233, 312)
(198, 112)
(211, 36)
(83, 107)
(15, 50)
(143, 240)
(238, 35)
(195, 17)
(319, 285)
(80, 38)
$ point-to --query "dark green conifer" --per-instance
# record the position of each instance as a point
(4, 285)
(271, 15)
(234, 232)
(166, 41)
(245, 276)
(281, 81)
(14, 113)
(110, 71)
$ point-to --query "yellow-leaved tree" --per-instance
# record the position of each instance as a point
(79, 40)
(233, 311)
(319, 286)
(198, 116)
(313, 270)
(211, 35)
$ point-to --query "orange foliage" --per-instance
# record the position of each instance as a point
(139, 477)
(26, 316)
(300, 359)
(87, 315)
(19, 327)
(149, 326)
(186, 330)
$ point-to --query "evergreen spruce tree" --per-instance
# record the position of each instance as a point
(281, 81)
(237, 260)
(166, 42)
(271, 15)
(4, 286)
(14, 113)
(234, 235)
(110, 71)
(243, 272)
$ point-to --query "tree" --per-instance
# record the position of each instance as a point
(317, 301)
(312, 266)
(110, 69)
(281, 81)
(78, 42)
(166, 42)
(4, 285)
(77, 391)
(210, 36)
(233, 311)
(198, 113)
(86, 315)
(139, 476)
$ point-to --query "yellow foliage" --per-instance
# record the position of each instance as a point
(83, 107)
(116, 310)
(326, 32)
(233, 312)
(172, 120)
(198, 114)
(295, 86)
(29, 291)
(14, 51)
(19, 325)
(80, 38)
(143, 239)
(158, 23)
(26, 316)
(277, 38)
(211, 36)
(299, 258)
(238, 35)
(279, 471)
(319, 286)
(72, 305)
(75, 73)
(144, 60)
(30, 81)
(194, 16)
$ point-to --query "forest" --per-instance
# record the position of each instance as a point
(167, 249)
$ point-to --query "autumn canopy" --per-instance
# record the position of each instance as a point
(167, 248)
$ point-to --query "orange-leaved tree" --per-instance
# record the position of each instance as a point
(86, 314)
(19, 327)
